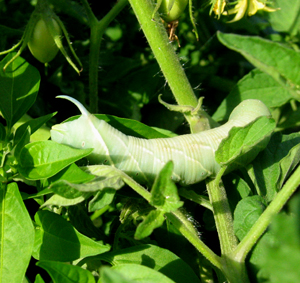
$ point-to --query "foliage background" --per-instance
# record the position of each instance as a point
(128, 73)
(130, 79)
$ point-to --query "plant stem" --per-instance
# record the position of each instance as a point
(167, 59)
(97, 30)
(234, 271)
(185, 227)
(182, 224)
(264, 220)
(222, 214)
(163, 50)
(95, 42)
(136, 187)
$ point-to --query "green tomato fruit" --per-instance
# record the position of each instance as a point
(175, 12)
(41, 43)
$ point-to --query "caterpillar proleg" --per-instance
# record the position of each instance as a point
(193, 155)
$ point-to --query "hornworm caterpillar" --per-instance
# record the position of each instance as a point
(193, 154)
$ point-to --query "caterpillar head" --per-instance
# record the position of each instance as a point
(74, 133)
(249, 110)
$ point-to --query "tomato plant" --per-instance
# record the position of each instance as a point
(111, 222)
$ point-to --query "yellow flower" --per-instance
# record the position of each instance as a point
(249, 7)
(256, 5)
(218, 7)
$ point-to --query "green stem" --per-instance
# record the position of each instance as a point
(182, 224)
(264, 220)
(166, 57)
(234, 271)
(191, 195)
(163, 50)
(186, 228)
(222, 214)
(97, 30)
(95, 42)
(90, 15)
(136, 187)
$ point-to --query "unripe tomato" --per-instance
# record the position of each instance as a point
(175, 12)
(41, 43)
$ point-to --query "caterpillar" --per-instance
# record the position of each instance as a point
(193, 155)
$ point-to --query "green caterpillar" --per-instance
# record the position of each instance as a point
(193, 155)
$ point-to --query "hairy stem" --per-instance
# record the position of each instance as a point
(167, 59)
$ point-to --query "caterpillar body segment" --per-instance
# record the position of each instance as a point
(193, 155)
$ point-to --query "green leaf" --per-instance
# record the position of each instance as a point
(281, 261)
(44, 159)
(155, 257)
(236, 189)
(272, 166)
(39, 279)
(246, 213)
(130, 127)
(108, 275)
(36, 195)
(255, 85)
(153, 220)
(59, 201)
(265, 170)
(287, 19)
(115, 177)
(289, 119)
(140, 273)
(63, 272)
(16, 235)
(103, 171)
(280, 62)
(291, 145)
(102, 199)
(22, 142)
(164, 195)
(109, 177)
(243, 144)
(72, 173)
(81, 220)
(34, 124)
(66, 190)
(19, 85)
(70, 190)
(56, 239)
